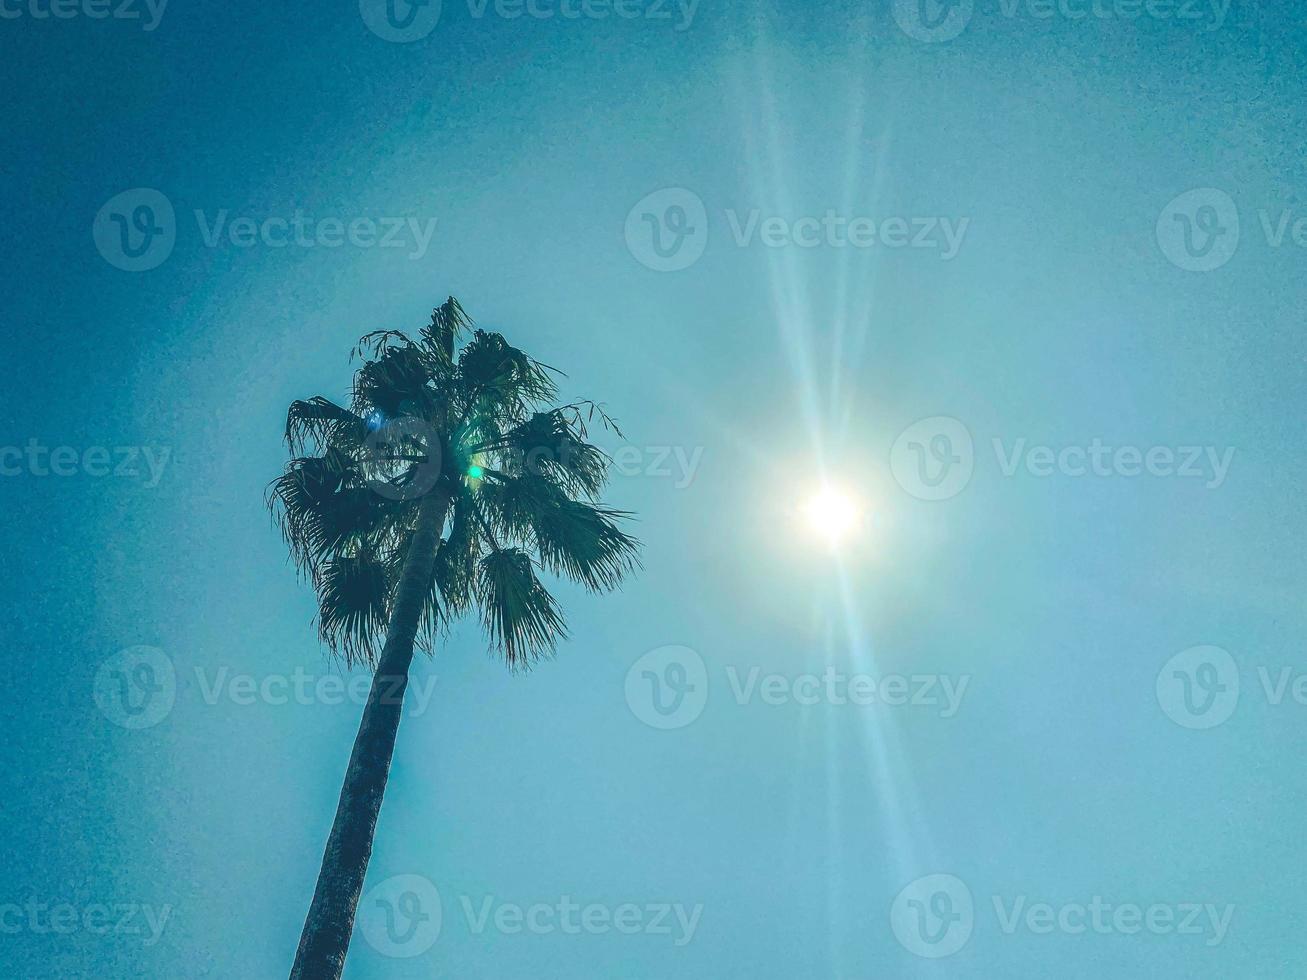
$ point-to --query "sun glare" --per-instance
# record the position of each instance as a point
(832, 514)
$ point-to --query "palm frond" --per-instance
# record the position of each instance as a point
(461, 409)
(500, 376)
(520, 616)
(549, 444)
(454, 575)
(573, 538)
(305, 501)
(353, 602)
(322, 423)
(396, 382)
(448, 322)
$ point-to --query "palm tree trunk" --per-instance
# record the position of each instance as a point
(327, 929)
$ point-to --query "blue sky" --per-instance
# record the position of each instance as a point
(884, 234)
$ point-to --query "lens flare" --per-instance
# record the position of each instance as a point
(832, 514)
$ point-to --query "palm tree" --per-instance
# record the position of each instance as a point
(449, 482)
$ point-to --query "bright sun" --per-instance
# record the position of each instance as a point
(832, 514)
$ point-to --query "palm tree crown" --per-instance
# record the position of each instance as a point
(458, 413)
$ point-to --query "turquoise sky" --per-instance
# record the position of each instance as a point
(1026, 285)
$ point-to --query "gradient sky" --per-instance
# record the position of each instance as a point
(1066, 772)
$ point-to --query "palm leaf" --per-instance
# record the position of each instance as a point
(573, 538)
(520, 616)
(353, 602)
